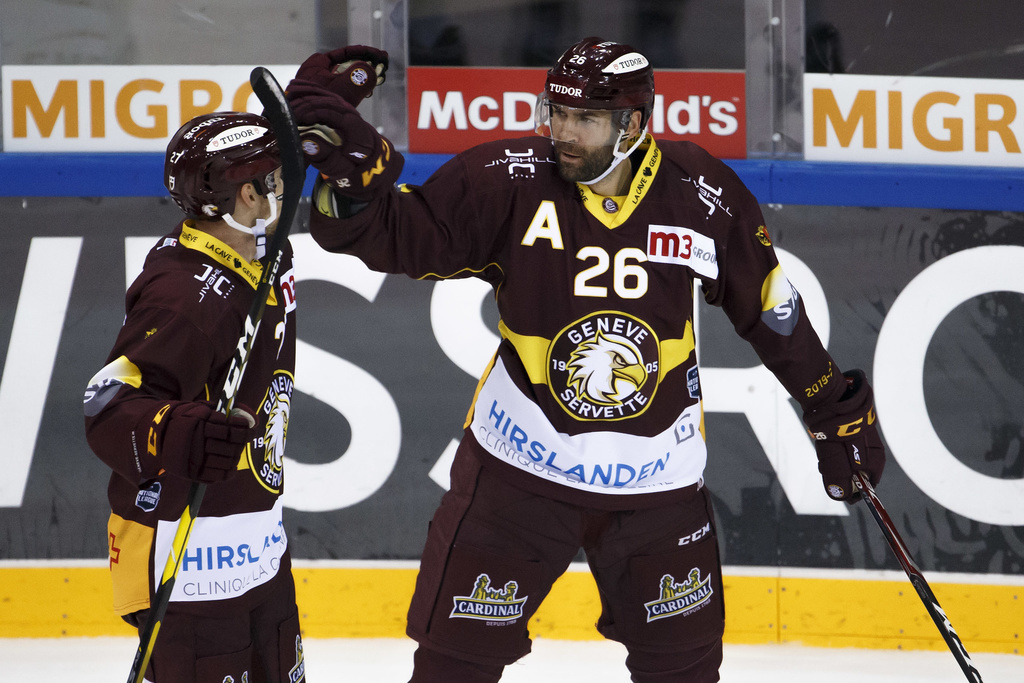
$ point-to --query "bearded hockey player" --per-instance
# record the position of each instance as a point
(149, 415)
(586, 430)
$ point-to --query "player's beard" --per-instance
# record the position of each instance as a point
(585, 163)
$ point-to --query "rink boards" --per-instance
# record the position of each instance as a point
(351, 599)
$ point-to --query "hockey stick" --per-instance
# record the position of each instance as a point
(277, 111)
(924, 591)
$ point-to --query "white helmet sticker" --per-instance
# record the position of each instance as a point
(235, 136)
(634, 61)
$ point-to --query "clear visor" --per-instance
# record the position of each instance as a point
(269, 184)
(575, 130)
(587, 127)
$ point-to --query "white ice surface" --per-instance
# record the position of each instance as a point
(106, 660)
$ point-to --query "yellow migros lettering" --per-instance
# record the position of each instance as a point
(983, 125)
(544, 226)
(955, 143)
(240, 101)
(25, 101)
(158, 112)
(993, 114)
(895, 119)
(826, 110)
(187, 90)
(98, 124)
(67, 108)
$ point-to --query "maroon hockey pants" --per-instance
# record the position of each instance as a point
(262, 645)
(493, 552)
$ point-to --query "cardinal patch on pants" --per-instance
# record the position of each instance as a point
(489, 604)
(680, 598)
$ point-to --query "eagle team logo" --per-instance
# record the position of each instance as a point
(276, 409)
(680, 598)
(489, 604)
(604, 366)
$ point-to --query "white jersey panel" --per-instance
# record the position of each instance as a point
(512, 428)
(226, 556)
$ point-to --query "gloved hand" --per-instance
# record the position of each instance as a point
(195, 441)
(846, 439)
(351, 72)
(349, 152)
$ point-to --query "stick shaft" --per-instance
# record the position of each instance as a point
(916, 576)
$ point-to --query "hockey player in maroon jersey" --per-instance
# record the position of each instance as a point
(149, 415)
(587, 428)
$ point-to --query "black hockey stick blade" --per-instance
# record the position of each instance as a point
(277, 111)
(924, 591)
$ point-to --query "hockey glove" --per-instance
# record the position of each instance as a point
(195, 441)
(349, 152)
(351, 72)
(846, 439)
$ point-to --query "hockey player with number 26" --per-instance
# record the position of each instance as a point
(586, 430)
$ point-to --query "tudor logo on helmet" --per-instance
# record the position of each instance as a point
(634, 61)
(565, 90)
(233, 137)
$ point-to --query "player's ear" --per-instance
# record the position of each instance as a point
(247, 195)
(634, 123)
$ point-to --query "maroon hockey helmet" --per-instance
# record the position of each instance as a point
(601, 74)
(213, 154)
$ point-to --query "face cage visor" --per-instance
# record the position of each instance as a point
(578, 126)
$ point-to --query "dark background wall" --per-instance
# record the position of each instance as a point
(973, 384)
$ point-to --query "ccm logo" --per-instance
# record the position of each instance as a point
(696, 535)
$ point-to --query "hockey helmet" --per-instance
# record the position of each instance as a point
(596, 74)
(600, 74)
(213, 154)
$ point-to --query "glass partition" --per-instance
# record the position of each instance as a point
(947, 38)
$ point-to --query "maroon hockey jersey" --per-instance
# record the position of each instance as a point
(594, 394)
(184, 315)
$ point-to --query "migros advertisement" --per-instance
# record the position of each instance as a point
(913, 119)
(90, 108)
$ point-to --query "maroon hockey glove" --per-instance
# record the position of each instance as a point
(352, 72)
(349, 152)
(846, 438)
(195, 441)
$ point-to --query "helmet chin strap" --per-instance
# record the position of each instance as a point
(259, 231)
(618, 155)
